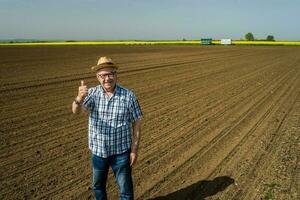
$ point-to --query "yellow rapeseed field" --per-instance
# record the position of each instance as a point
(217, 42)
(102, 43)
(265, 42)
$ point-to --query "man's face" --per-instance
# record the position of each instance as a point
(107, 78)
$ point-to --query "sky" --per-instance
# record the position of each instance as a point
(148, 19)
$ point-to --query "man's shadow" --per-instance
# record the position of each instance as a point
(199, 190)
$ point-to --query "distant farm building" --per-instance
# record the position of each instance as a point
(226, 41)
(206, 41)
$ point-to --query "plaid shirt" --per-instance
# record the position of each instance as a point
(110, 120)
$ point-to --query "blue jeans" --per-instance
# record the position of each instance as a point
(120, 165)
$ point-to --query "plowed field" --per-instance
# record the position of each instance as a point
(219, 122)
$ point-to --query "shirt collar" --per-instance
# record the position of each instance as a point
(116, 92)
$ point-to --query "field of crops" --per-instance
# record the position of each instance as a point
(167, 42)
(220, 122)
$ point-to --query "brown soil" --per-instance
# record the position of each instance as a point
(220, 122)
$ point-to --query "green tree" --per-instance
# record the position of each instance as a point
(270, 38)
(249, 36)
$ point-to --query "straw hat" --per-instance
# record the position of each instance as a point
(104, 62)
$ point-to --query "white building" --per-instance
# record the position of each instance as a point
(226, 41)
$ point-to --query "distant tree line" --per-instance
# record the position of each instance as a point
(250, 37)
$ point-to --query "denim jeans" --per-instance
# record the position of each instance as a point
(120, 165)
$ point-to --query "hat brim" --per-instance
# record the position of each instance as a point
(102, 66)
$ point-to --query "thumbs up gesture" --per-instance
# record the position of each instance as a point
(82, 91)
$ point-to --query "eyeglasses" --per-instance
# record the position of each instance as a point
(109, 75)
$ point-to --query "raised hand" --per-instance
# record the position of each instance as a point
(82, 91)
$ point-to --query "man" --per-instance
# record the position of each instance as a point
(114, 128)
